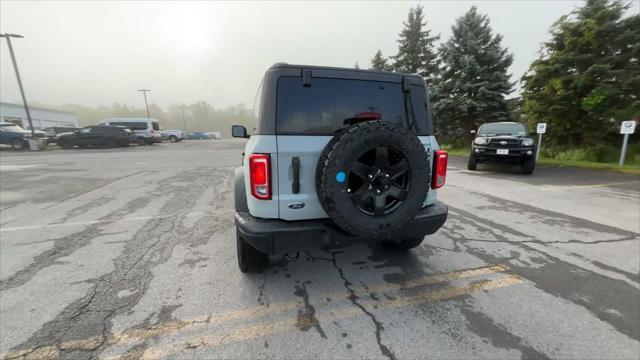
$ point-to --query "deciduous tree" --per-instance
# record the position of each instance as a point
(587, 78)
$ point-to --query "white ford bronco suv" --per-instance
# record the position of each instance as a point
(338, 155)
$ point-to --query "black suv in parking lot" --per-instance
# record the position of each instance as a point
(503, 141)
(54, 131)
(109, 136)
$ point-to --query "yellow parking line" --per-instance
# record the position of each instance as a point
(261, 311)
(266, 329)
(241, 314)
(569, 187)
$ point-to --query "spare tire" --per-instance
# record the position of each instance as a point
(372, 179)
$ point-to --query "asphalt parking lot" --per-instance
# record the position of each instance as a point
(130, 253)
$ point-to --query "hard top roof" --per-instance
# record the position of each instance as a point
(349, 70)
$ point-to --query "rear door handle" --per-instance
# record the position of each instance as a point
(295, 164)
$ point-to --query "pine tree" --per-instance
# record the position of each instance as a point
(474, 78)
(416, 48)
(379, 62)
(587, 78)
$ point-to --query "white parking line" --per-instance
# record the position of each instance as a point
(568, 187)
(92, 222)
(15, 167)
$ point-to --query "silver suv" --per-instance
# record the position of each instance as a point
(338, 155)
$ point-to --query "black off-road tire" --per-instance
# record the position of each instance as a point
(17, 144)
(528, 166)
(339, 156)
(472, 163)
(404, 245)
(250, 260)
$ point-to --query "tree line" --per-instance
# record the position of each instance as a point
(198, 116)
(585, 81)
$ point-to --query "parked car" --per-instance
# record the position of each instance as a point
(349, 155)
(16, 136)
(503, 141)
(198, 135)
(215, 135)
(172, 135)
(52, 132)
(107, 136)
(147, 130)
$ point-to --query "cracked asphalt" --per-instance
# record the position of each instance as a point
(130, 253)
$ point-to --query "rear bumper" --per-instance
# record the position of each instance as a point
(273, 236)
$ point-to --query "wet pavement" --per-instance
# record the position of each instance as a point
(130, 253)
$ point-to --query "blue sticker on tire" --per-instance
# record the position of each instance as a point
(341, 177)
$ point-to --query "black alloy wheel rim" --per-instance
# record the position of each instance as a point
(379, 181)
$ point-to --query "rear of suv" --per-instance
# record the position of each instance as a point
(338, 155)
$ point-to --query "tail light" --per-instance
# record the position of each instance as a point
(260, 176)
(369, 116)
(439, 169)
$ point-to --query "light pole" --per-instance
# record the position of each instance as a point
(184, 122)
(144, 92)
(15, 67)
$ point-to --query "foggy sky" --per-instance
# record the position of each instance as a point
(93, 53)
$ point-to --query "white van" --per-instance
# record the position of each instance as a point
(147, 130)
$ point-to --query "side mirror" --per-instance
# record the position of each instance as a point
(239, 131)
(472, 131)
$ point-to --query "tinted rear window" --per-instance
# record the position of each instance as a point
(329, 105)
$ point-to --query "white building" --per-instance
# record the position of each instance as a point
(41, 117)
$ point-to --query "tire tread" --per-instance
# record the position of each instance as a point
(334, 148)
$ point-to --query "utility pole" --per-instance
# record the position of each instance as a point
(184, 122)
(144, 92)
(15, 67)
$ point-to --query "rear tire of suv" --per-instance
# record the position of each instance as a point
(528, 166)
(472, 164)
(173, 138)
(250, 260)
(404, 245)
(371, 179)
(17, 144)
(141, 141)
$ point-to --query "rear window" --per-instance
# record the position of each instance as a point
(156, 125)
(330, 105)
